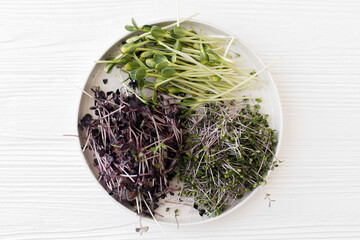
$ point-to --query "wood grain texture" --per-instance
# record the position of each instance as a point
(46, 190)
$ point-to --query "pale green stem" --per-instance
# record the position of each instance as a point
(139, 62)
(130, 90)
(223, 99)
(194, 61)
(199, 86)
(187, 90)
(165, 81)
(247, 80)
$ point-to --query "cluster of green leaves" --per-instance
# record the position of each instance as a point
(180, 63)
(227, 154)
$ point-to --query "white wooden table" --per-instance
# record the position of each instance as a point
(46, 191)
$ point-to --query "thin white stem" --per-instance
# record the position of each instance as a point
(137, 205)
(196, 62)
(138, 97)
(181, 21)
(165, 81)
(228, 46)
(157, 223)
(112, 112)
(220, 36)
(247, 80)
(226, 59)
(223, 99)
(86, 144)
(127, 174)
(178, 13)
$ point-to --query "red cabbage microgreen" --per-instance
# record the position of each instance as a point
(135, 146)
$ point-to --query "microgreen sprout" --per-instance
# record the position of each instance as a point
(268, 198)
(122, 135)
(228, 152)
(176, 214)
(193, 67)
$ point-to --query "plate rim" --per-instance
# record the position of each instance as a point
(279, 131)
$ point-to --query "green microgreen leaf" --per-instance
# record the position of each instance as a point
(204, 57)
(138, 74)
(213, 53)
(146, 28)
(162, 145)
(146, 54)
(131, 66)
(173, 58)
(128, 48)
(177, 45)
(134, 23)
(160, 58)
(160, 66)
(154, 149)
(125, 59)
(133, 39)
(130, 28)
(180, 31)
(215, 78)
(173, 35)
(109, 67)
(174, 90)
(158, 32)
(150, 63)
(168, 72)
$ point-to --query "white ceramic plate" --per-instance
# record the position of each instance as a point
(270, 105)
